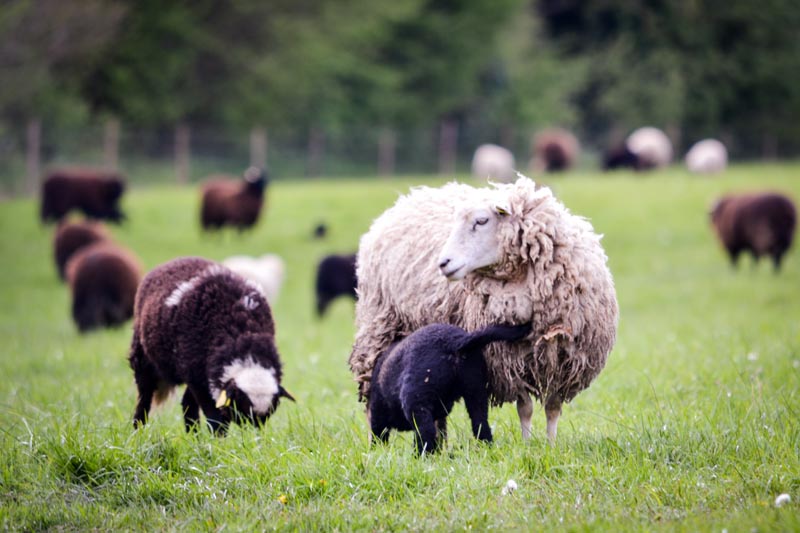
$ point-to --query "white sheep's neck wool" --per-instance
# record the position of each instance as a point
(257, 382)
(185, 287)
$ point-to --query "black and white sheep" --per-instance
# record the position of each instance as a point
(554, 150)
(645, 149)
(417, 382)
(198, 323)
(759, 223)
(72, 236)
(103, 278)
(493, 162)
(230, 202)
(336, 276)
(514, 254)
(95, 192)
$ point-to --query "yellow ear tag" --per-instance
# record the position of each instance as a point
(223, 400)
(501, 211)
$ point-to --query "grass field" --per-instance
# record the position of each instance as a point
(693, 425)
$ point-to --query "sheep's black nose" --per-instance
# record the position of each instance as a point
(444, 263)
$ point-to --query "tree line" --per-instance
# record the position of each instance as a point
(694, 67)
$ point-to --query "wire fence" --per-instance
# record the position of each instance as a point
(186, 154)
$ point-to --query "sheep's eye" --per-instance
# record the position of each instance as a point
(481, 221)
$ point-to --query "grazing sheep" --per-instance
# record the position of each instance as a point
(320, 231)
(554, 150)
(418, 380)
(336, 276)
(620, 157)
(652, 148)
(103, 277)
(762, 224)
(197, 323)
(95, 192)
(707, 157)
(521, 256)
(493, 162)
(72, 236)
(227, 202)
(268, 271)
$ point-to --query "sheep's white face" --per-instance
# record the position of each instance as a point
(473, 242)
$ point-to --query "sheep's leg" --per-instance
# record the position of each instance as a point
(477, 404)
(191, 410)
(214, 416)
(441, 430)
(525, 412)
(424, 431)
(146, 382)
(553, 411)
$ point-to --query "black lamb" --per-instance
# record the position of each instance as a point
(336, 276)
(197, 323)
(417, 381)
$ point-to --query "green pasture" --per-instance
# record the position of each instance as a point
(694, 425)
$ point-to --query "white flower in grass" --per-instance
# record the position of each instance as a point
(782, 499)
(752, 356)
(510, 487)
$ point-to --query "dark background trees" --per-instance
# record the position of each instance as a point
(695, 67)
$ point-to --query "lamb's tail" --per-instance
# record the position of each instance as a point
(497, 332)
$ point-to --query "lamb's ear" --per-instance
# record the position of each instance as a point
(283, 392)
(223, 400)
(502, 210)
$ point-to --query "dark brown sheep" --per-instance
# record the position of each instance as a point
(71, 237)
(95, 192)
(762, 224)
(554, 150)
(229, 202)
(197, 323)
(103, 277)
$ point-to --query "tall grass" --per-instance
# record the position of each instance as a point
(693, 425)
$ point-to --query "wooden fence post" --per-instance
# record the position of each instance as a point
(258, 147)
(387, 144)
(448, 138)
(33, 156)
(111, 143)
(316, 151)
(182, 153)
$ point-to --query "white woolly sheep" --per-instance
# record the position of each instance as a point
(521, 256)
(707, 157)
(651, 146)
(268, 271)
(493, 162)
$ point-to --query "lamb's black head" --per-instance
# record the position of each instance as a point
(248, 388)
(256, 178)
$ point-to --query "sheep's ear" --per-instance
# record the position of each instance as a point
(285, 393)
(223, 400)
(500, 210)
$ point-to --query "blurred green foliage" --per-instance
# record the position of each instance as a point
(696, 67)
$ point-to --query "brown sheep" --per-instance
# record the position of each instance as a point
(760, 223)
(226, 202)
(554, 150)
(197, 323)
(95, 192)
(72, 236)
(103, 277)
